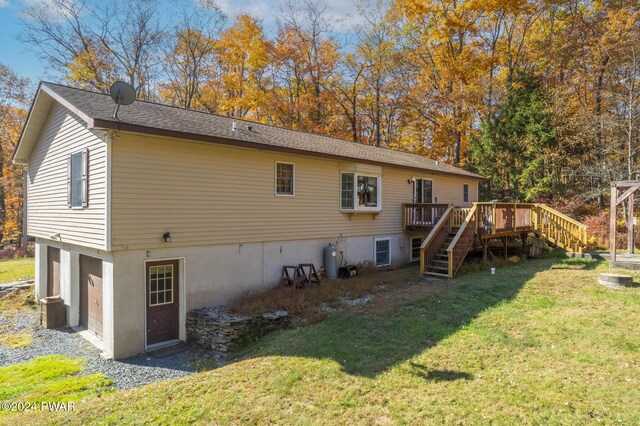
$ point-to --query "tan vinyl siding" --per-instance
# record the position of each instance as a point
(211, 194)
(47, 210)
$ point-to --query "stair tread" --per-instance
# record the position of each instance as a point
(439, 268)
(436, 274)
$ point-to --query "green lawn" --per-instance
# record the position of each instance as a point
(16, 269)
(54, 378)
(538, 343)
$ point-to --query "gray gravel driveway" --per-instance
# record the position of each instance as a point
(126, 373)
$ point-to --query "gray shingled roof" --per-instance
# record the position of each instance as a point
(99, 107)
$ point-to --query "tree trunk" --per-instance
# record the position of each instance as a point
(378, 132)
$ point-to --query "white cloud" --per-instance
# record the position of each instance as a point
(342, 14)
(49, 7)
(4, 3)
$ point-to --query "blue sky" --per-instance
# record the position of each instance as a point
(26, 63)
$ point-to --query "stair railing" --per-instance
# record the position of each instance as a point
(462, 242)
(434, 240)
(560, 229)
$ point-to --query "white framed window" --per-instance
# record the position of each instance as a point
(465, 193)
(285, 178)
(78, 179)
(360, 192)
(423, 191)
(416, 243)
(161, 285)
(382, 251)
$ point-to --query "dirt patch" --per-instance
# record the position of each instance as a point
(313, 303)
(394, 297)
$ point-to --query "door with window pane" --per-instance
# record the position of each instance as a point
(162, 301)
(423, 194)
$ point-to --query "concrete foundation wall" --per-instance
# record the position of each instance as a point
(209, 276)
(214, 275)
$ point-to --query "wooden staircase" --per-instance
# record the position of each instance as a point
(439, 266)
(458, 229)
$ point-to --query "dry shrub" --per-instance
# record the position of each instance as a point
(308, 302)
(13, 252)
(18, 299)
(598, 232)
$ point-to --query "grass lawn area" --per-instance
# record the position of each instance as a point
(54, 378)
(16, 269)
(541, 342)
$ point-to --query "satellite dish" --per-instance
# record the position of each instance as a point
(122, 94)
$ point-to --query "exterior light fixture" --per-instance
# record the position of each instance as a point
(167, 237)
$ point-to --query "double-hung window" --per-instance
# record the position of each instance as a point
(383, 251)
(360, 192)
(77, 179)
(285, 182)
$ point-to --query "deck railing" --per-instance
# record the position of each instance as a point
(499, 218)
(488, 220)
(422, 217)
(459, 215)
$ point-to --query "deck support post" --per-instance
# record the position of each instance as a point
(505, 242)
(524, 237)
(630, 233)
(485, 250)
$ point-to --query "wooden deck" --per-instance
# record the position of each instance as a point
(452, 231)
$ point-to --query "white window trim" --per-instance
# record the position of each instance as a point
(356, 208)
(84, 186)
(411, 258)
(275, 179)
(172, 288)
(433, 189)
(468, 193)
(375, 251)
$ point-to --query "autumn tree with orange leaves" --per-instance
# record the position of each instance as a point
(423, 76)
(13, 101)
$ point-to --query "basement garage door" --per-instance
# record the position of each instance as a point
(53, 271)
(91, 294)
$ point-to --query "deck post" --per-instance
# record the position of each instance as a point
(524, 245)
(630, 233)
(505, 241)
(612, 224)
(485, 250)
